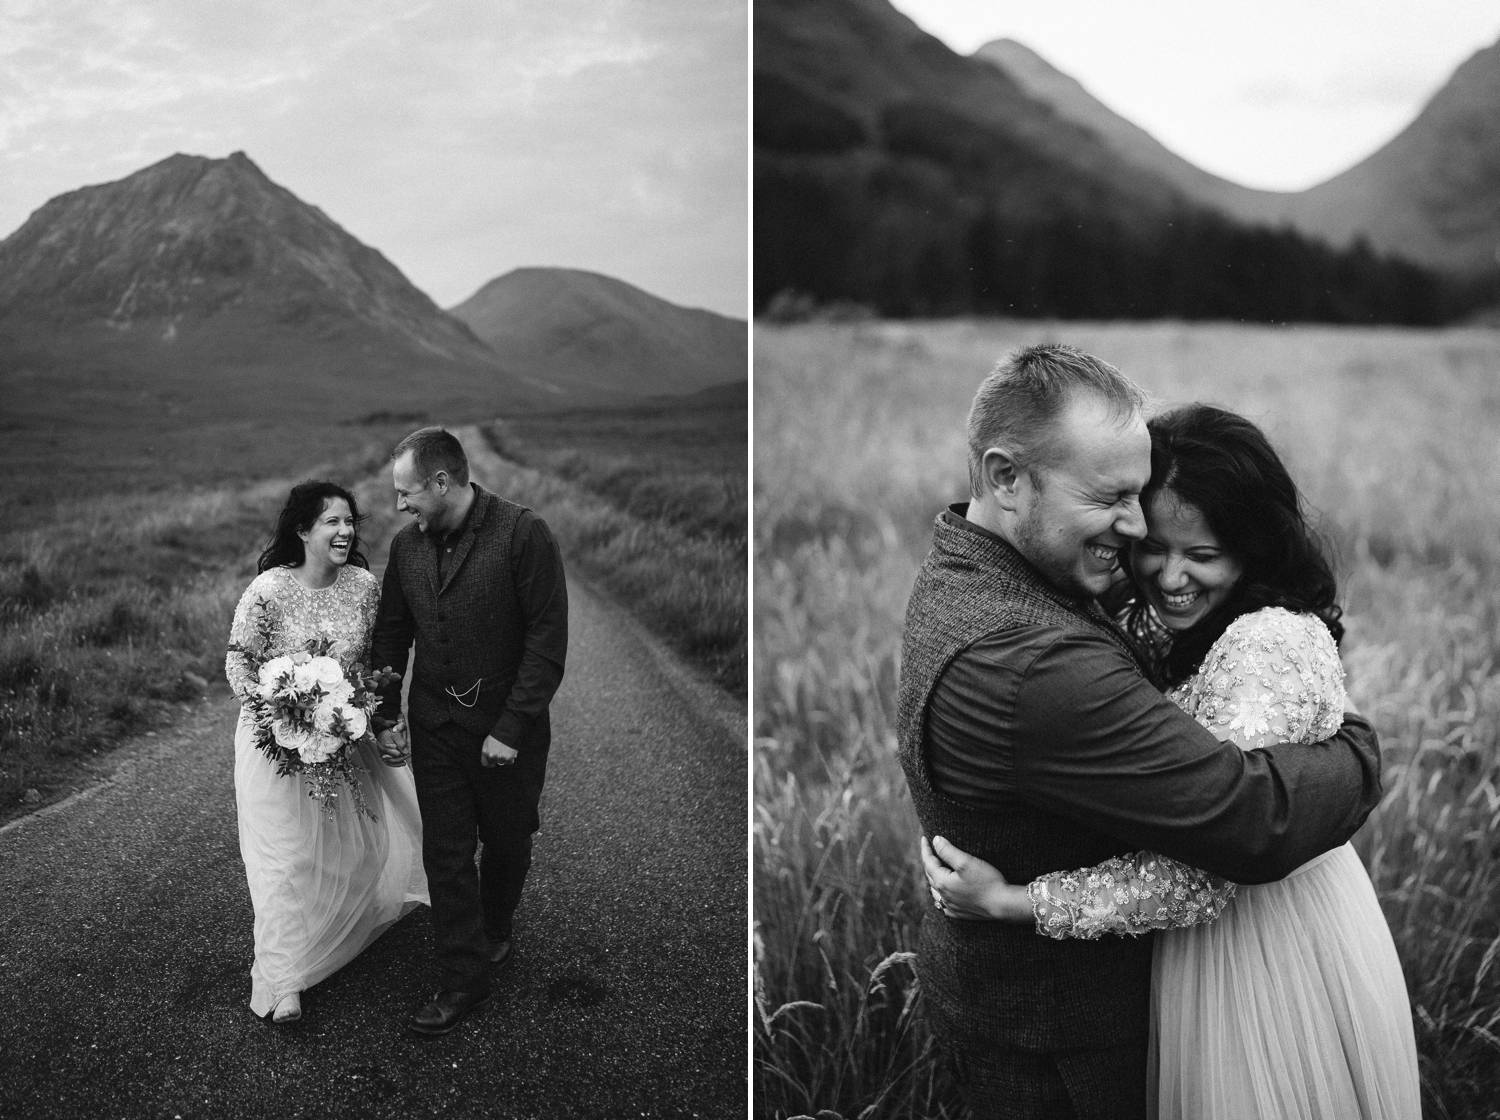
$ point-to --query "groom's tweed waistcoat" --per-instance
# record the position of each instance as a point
(469, 624)
(1001, 984)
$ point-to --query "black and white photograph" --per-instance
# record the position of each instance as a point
(1125, 542)
(373, 569)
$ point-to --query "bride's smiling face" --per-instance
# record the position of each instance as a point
(330, 538)
(1181, 566)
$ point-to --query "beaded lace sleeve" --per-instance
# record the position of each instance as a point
(1272, 677)
(247, 643)
(278, 615)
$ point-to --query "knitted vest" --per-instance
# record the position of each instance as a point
(991, 983)
(470, 625)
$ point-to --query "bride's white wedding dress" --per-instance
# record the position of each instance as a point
(323, 887)
(1280, 1001)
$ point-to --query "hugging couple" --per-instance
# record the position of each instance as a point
(1123, 724)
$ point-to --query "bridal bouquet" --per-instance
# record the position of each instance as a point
(308, 716)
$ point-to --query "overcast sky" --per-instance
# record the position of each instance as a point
(1278, 94)
(461, 138)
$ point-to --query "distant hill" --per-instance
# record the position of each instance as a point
(591, 337)
(1072, 102)
(1433, 192)
(731, 394)
(1430, 195)
(894, 174)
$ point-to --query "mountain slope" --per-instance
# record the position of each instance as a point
(1431, 195)
(197, 314)
(1433, 192)
(596, 338)
(894, 173)
(898, 176)
(190, 238)
(867, 65)
(1071, 101)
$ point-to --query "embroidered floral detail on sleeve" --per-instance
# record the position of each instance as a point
(1272, 677)
(1126, 895)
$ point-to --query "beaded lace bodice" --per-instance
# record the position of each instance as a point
(1272, 677)
(344, 611)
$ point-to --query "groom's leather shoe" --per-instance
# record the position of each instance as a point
(445, 1011)
(499, 948)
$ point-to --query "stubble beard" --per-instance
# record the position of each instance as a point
(1061, 574)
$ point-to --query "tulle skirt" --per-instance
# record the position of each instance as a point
(323, 887)
(1292, 1005)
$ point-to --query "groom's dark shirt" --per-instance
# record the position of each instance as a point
(1031, 737)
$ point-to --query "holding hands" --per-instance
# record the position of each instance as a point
(395, 746)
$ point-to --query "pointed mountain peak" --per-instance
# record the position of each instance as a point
(190, 238)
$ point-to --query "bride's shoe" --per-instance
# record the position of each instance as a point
(288, 1009)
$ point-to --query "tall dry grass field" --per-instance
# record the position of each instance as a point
(858, 443)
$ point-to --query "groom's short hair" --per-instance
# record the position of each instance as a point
(433, 450)
(1018, 404)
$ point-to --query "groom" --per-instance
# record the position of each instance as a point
(1031, 737)
(477, 582)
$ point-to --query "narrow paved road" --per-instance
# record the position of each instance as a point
(125, 940)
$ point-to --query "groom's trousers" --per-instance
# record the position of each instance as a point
(465, 804)
(1000, 1084)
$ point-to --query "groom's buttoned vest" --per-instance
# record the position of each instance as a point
(470, 627)
(999, 984)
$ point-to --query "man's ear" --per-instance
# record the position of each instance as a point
(440, 481)
(1002, 475)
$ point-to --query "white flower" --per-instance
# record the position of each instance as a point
(272, 674)
(291, 736)
(340, 692)
(357, 720)
(320, 748)
(323, 715)
(309, 744)
(328, 671)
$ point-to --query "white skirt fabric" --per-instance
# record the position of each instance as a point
(1291, 1005)
(323, 887)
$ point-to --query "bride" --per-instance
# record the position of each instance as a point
(1280, 1001)
(323, 884)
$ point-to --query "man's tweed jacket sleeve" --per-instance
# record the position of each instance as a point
(541, 590)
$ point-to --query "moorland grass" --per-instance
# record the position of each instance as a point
(113, 614)
(650, 505)
(858, 443)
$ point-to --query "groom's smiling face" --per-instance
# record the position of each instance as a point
(1077, 512)
(423, 498)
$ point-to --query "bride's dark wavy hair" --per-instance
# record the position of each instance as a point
(303, 506)
(1223, 466)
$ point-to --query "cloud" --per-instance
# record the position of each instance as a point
(451, 135)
